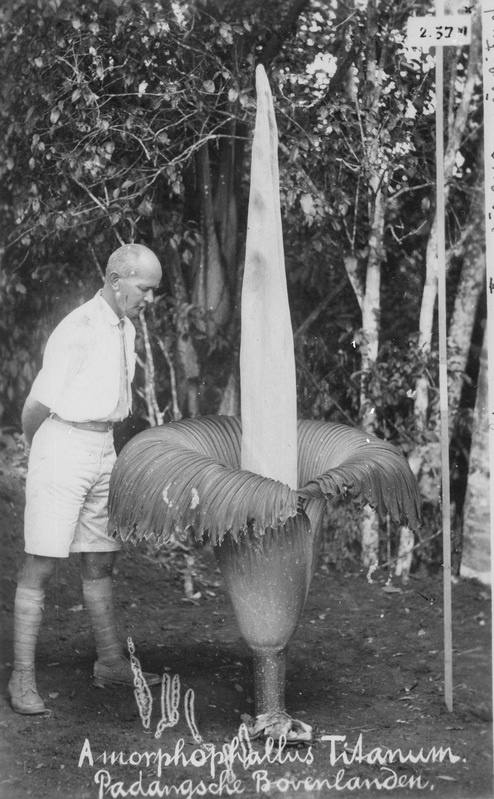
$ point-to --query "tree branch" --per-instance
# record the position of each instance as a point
(284, 32)
(98, 203)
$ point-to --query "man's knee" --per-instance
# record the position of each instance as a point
(36, 570)
(96, 565)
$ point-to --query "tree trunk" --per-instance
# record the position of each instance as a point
(225, 205)
(426, 319)
(185, 351)
(226, 216)
(211, 292)
(476, 554)
(371, 309)
(468, 294)
(377, 177)
(467, 298)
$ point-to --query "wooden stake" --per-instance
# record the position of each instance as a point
(441, 31)
(488, 76)
(443, 374)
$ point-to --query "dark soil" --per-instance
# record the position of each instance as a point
(367, 660)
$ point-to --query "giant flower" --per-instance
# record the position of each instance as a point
(258, 488)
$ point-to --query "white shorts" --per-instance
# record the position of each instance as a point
(67, 491)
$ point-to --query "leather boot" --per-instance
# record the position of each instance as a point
(24, 696)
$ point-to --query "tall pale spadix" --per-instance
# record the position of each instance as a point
(267, 361)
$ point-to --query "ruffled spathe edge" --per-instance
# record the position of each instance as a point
(182, 477)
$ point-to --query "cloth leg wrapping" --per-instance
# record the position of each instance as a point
(98, 598)
(28, 613)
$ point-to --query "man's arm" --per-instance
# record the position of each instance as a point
(34, 414)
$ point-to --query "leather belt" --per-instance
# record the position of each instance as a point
(95, 427)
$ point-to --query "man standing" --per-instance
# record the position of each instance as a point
(81, 390)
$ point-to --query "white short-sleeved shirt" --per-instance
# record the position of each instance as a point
(80, 376)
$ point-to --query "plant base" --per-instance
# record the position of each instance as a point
(280, 727)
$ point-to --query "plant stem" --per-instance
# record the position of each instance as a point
(269, 680)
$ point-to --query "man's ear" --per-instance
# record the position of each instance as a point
(114, 278)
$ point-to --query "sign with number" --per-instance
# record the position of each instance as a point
(439, 31)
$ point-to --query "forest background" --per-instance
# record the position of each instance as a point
(131, 121)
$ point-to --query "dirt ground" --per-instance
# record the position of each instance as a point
(367, 660)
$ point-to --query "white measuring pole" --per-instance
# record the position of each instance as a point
(443, 374)
(488, 79)
(439, 31)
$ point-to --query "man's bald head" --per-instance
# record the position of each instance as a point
(133, 273)
(127, 260)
